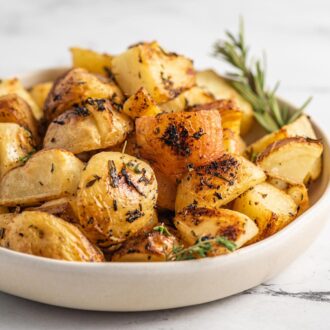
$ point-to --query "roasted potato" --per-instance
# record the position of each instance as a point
(196, 223)
(14, 86)
(193, 96)
(178, 141)
(217, 183)
(48, 174)
(221, 89)
(85, 127)
(39, 93)
(116, 197)
(15, 145)
(147, 246)
(140, 104)
(45, 235)
(13, 109)
(90, 60)
(290, 159)
(78, 85)
(164, 75)
(270, 208)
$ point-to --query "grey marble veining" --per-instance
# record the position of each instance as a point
(296, 36)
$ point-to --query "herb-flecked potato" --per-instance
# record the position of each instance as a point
(44, 235)
(217, 183)
(93, 124)
(76, 86)
(48, 174)
(178, 141)
(116, 197)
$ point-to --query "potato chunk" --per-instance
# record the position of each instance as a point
(93, 124)
(290, 159)
(44, 235)
(39, 93)
(195, 223)
(48, 174)
(217, 183)
(176, 141)
(270, 208)
(221, 89)
(116, 197)
(164, 75)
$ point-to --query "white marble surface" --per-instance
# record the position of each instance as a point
(296, 35)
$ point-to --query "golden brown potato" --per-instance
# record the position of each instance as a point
(217, 183)
(177, 141)
(140, 104)
(48, 174)
(147, 246)
(76, 86)
(14, 86)
(4, 210)
(44, 235)
(270, 208)
(231, 142)
(221, 89)
(85, 127)
(290, 159)
(90, 60)
(196, 223)
(39, 93)
(193, 96)
(16, 145)
(164, 75)
(116, 197)
(13, 109)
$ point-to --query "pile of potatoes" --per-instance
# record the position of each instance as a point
(94, 163)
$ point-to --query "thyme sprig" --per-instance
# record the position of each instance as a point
(25, 158)
(250, 82)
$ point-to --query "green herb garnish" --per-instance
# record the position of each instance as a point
(25, 158)
(162, 230)
(249, 81)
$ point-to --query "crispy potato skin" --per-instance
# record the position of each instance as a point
(164, 75)
(44, 235)
(88, 126)
(15, 144)
(116, 197)
(175, 141)
(13, 109)
(194, 223)
(270, 208)
(217, 183)
(39, 93)
(76, 86)
(48, 174)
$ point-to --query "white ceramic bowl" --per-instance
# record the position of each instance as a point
(151, 286)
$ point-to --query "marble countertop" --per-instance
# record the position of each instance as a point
(296, 35)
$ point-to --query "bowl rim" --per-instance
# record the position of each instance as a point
(228, 258)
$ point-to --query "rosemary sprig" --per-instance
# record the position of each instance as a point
(249, 81)
(162, 230)
(200, 249)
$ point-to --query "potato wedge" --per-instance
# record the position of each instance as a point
(195, 223)
(270, 208)
(16, 145)
(220, 88)
(13, 109)
(116, 197)
(39, 93)
(290, 159)
(78, 85)
(48, 174)
(45, 235)
(176, 141)
(85, 127)
(14, 86)
(193, 96)
(90, 60)
(164, 75)
(217, 183)
(140, 104)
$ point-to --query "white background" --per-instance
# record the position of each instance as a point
(296, 36)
